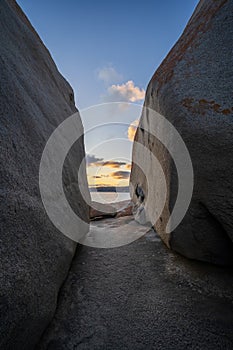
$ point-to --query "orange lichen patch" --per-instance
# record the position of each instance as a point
(202, 106)
(187, 102)
(216, 107)
(203, 101)
(226, 111)
(199, 24)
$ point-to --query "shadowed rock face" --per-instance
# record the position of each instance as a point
(193, 89)
(35, 256)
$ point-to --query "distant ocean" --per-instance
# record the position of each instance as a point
(109, 197)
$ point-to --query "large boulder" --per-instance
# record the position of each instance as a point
(34, 256)
(192, 89)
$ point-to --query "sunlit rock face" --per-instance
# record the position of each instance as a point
(35, 256)
(193, 90)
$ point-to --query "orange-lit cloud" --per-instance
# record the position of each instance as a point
(128, 166)
(120, 175)
(127, 92)
(132, 130)
(112, 164)
(99, 176)
(92, 160)
(101, 173)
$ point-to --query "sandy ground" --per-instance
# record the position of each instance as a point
(141, 296)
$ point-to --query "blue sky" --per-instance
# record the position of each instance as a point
(131, 36)
(108, 51)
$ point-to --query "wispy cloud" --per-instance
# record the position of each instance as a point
(113, 164)
(132, 130)
(99, 176)
(120, 175)
(91, 159)
(128, 166)
(127, 92)
(94, 161)
(109, 75)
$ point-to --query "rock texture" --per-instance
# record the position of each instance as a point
(35, 256)
(99, 211)
(141, 296)
(193, 89)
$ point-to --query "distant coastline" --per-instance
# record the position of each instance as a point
(124, 189)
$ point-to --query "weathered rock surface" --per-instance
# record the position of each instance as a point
(193, 89)
(35, 257)
(141, 296)
(99, 211)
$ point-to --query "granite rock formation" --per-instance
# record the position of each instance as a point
(192, 89)
(34, 256)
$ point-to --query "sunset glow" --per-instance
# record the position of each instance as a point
(132, 129)
(108, 173)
